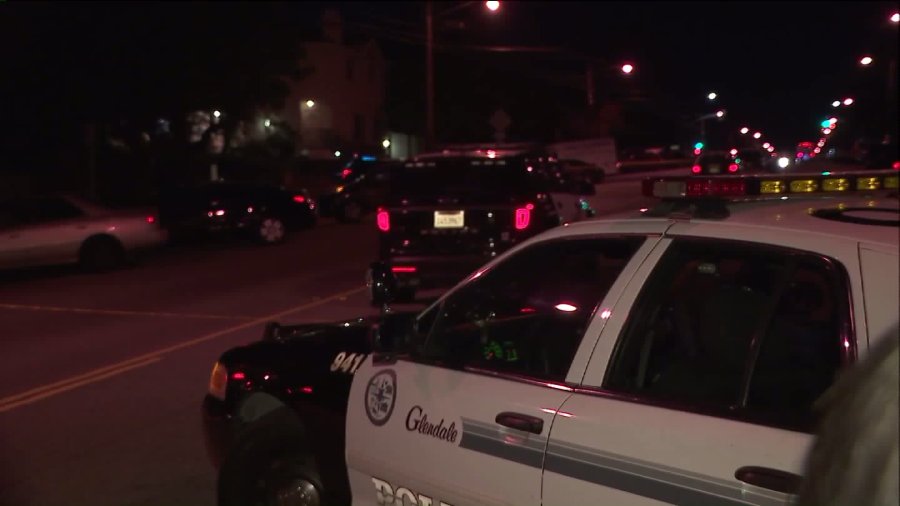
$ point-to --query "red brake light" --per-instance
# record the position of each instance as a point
(710, 187)
(403, 269)
(346, 173)
(896, 165)
(383, 218)
(799, 155)
(299, 199)
(152, 219)
(523, 216)
(733, 167)
(696, 169)
(238, 375)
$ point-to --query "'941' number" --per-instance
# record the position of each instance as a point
(347, 362)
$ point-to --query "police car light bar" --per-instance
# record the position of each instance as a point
(718, 187)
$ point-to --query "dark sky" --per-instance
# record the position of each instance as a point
(776, 65)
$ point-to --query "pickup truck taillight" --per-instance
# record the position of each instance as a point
(383, 219)
(523, 216)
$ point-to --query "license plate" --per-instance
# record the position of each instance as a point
(714, 169)
(448, 219)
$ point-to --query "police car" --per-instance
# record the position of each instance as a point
(670, 357)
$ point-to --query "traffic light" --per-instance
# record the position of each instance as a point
(698, 145)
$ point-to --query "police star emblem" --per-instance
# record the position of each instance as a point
(381, 392)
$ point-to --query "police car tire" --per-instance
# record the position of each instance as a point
(250, 479)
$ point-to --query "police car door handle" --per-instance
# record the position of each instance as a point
(521, 422)
(772, 479)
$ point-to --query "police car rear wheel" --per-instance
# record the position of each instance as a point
(293, 491)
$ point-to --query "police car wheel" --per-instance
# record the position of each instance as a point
(273, 477)
(292, 487)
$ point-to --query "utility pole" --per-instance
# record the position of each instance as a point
(429, 77)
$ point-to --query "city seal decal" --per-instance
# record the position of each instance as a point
(381, 392)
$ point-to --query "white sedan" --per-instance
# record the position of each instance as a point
(52, 230)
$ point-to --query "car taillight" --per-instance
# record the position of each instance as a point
(707, 188)
(896, 165)
(383, 218)
(151, 219)
(696, 169)
(403, 269)
(733, 167)
(523, 216)
(346, 173)
(299, 199)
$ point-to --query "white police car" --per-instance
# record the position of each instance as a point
(671, 359)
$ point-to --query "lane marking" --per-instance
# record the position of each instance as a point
(120, 312)
(71, 385)
(101, 373)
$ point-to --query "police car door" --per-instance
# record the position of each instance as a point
(465, 418)
(701, 386)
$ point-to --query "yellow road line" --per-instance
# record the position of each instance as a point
(120, 312)
(70, 385)
(94, 375)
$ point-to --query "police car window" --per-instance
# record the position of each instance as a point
(754, 332)
(526, 316)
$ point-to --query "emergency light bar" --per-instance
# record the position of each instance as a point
(718, 187)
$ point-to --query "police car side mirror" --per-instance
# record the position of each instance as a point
(393, 334)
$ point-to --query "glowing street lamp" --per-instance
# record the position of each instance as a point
(712, 95)
(848, 101)
(720, 114)
(310, 103)
(386, 143)
(492, 5)
(866, 60)
(627, 68)
(895, 17)
(757, 135)
(836, 103)
(744, 131)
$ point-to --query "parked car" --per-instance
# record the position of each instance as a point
(263, 212)
(672, 356)
(584, 170)
(64, 229)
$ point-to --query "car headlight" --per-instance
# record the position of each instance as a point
(783, 162)
(218, 381)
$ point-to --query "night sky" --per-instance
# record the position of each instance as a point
(776, 65)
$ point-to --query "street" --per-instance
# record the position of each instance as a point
(103, 374)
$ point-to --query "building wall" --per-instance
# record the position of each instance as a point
(346, 84)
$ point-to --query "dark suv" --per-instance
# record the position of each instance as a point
(264, 212)
(444, 217)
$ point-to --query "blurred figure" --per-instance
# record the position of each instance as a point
(854, 460)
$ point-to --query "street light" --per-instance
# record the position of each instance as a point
(310, 104)
(627, 68)
(720, 114)
(757, 135)
(895, 17)
(866, 60)
(836, 103)
(744, 131)
(492, 5)
(386, 143)
(712, 95)
(848, 101)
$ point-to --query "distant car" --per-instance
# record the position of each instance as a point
(264, 212)
(62, 229)
(751, 160)
(715, 162)
(578, 168)
(446, 215)
(362, 185)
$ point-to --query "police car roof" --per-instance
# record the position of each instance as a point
(869, 219)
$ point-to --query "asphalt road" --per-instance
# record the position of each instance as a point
(101, 375)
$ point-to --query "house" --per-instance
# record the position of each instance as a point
(339, 104)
